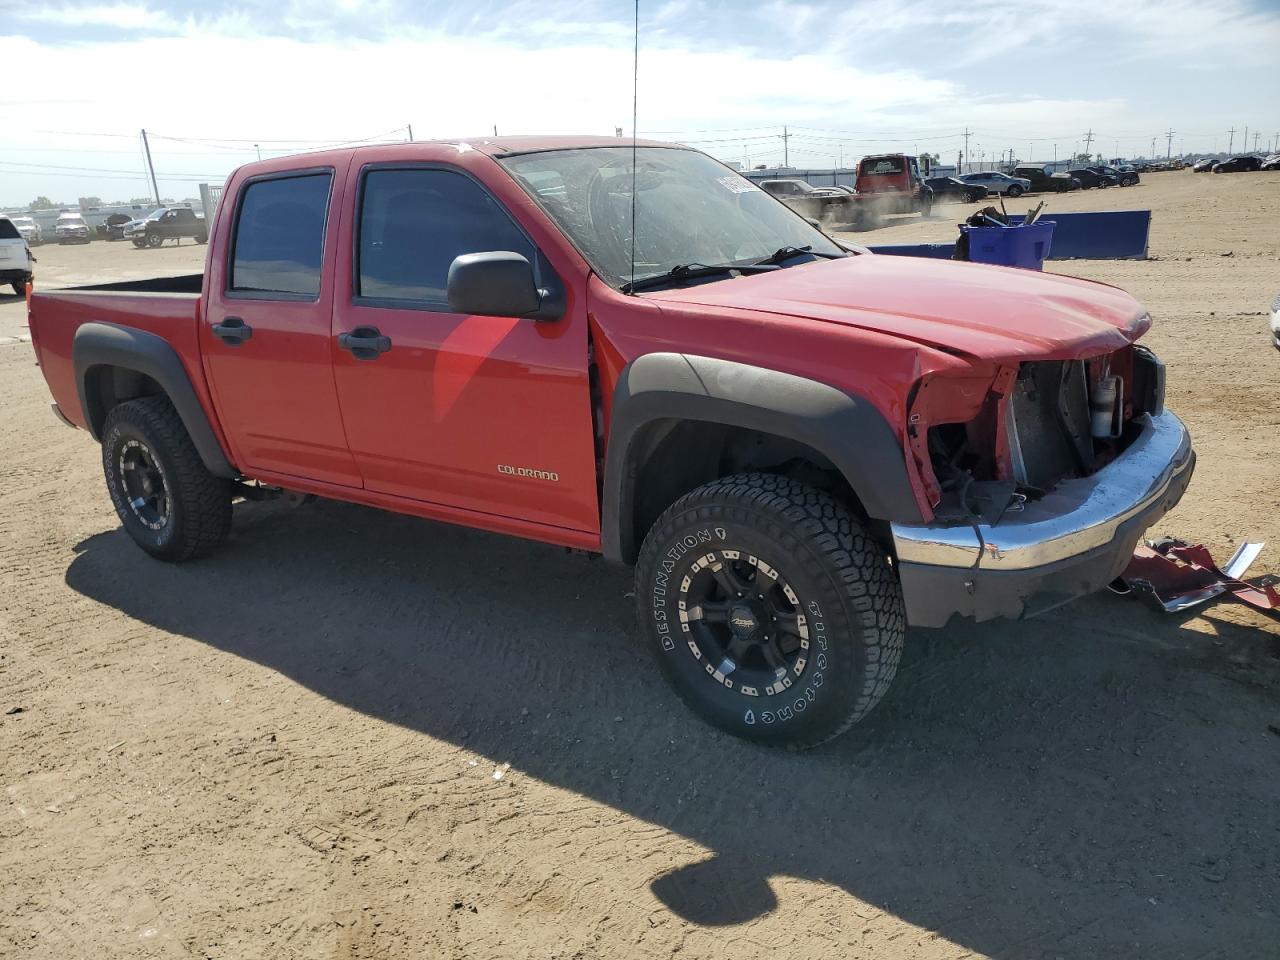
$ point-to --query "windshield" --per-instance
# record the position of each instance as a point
(157, 214)
(690, 209)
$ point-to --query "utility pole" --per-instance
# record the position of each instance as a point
(495, 129)
(151, 167)
(410, 128)
(1245, 141)
(786, 153)
(966, 147)
(1231, 139)
(259, 149)
(1153, 148)
(1255, 141)
(1088, 140)
(1168, 153)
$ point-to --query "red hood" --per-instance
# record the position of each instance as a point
(995, 313)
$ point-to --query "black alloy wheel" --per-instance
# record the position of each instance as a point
(746, 622)
(145, 490)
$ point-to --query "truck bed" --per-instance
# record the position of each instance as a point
(168, 307)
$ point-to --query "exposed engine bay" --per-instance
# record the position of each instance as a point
(1027, 428)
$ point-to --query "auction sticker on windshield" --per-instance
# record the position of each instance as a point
(735, 184)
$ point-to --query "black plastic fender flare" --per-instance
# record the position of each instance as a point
(98, 344)
(847, 429)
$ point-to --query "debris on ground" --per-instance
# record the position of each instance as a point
(1181, 575)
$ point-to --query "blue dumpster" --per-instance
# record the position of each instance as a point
(1016, 245)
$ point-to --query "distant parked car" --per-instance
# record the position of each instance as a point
(174, 223)
(1091, 178)
(1203, 166)
(997, 182)
(29, 229)
(1272, 162)
(1043, 180)
(15, 259)
(955, 190)
(1243, 164)
(1124, 178)
(71, 228)
(113, 229)
(1275, 322)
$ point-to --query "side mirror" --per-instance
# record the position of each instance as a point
(498, 283)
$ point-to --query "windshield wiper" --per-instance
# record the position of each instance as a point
(692, 271)
(786, 253)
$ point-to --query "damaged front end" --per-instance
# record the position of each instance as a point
(1041, 476)
(1008, 434)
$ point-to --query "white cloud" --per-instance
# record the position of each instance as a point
(122, 16)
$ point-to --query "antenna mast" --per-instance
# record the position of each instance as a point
(635, 94)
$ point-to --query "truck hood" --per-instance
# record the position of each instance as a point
(992, 313)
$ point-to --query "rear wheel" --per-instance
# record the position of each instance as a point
(202, 238)
(167, 500)
(771, 611)
(19, 287)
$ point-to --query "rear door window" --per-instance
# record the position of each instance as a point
(279, 237)
(414, 223)
(8, 231)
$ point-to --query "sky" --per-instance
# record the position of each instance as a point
(215, 84)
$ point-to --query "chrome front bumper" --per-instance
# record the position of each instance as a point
(1073, 540)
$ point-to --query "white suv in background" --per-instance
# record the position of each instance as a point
(30, 230)
(71, 228)
(997, 182)
(15, 258)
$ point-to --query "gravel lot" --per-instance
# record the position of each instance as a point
(352, 734)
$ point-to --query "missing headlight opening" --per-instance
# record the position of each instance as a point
(1039, 424)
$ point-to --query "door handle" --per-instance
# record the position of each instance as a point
(365, 343)
(232, 331)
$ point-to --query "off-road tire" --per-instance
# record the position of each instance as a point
(198, 515)
(850, 599)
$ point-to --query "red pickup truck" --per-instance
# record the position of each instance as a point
(802, 448)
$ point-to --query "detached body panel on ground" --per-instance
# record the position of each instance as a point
(753, 416)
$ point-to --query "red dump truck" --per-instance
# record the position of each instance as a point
(801, 448)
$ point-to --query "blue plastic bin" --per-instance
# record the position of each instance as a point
(1012, 246)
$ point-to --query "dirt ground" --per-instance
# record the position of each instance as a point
(352, 734)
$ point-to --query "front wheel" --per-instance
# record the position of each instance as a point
(1015, 191)
(154, 240)
(19, 287)
(166, 498)
(771, 611)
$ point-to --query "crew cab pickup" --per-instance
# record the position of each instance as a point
(166, 223)
(632, 350)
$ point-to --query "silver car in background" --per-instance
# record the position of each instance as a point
(997, 182)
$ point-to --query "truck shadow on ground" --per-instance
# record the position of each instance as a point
(1096, 783)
